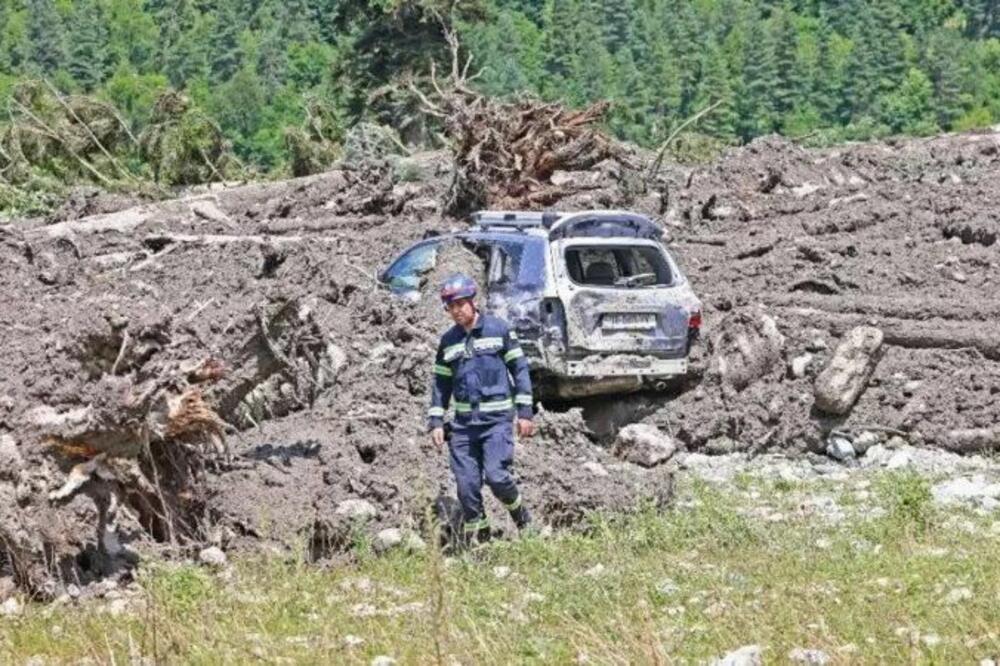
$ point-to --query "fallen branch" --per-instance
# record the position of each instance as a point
(654, 169)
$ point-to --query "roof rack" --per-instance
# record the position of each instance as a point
(515, 219)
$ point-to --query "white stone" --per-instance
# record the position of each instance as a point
(808, 657)
(667, 587)
(501, 572)
(644, 445)
(974, 489)
(748, 655)
(388, 539)
(899, 460)
(212, 556)
(958, 595)
(840, 448)
(800, 364)
(864, 441)
(350, 640)
(595, 468)
(357, 508)
(383, 660)
(10, 608)
(930, 640)
(595, 571)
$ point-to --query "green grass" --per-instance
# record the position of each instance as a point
(686, 585)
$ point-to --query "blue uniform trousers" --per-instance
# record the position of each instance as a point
(478, 452)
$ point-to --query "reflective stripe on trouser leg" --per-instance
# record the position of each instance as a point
(513, 506)
(498, 454)
(476, 525)
(466, 464)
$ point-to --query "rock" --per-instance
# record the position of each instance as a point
(11, 461)
(10, 608)
(800, 364)
(957, 491)
(667, 587)
(395, 537)
(864, 441)
(845, 377)
(809, 657)
(748, 655)
(595, 571)
(720, 446)
(817, 345)
(350, 640)
(971, 440)
(840, 448)
(958, 595)
(501, 572)
(207, 210)
(899, 460)
(213, 557)
(745, 349)
(896, 442)
(388, 539)
(383, 660)
(644, 445)
(930, 640)
(911, 387)
(7, 587)
(357, 509)
(595, 468)
(987, 662)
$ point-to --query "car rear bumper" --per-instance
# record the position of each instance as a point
(625, 365)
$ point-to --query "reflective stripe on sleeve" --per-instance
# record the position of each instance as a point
(515, 505)
(452, 352)
(524, 400)
(487, 343)
(513, 354)
(442, 370)
(435, 411)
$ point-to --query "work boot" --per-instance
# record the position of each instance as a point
(521, 517)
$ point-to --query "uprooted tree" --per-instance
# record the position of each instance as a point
(506, 152)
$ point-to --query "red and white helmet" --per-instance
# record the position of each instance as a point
(457, 287)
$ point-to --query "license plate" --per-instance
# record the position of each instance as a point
(629, 322)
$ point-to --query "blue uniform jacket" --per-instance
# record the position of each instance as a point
(473, 372)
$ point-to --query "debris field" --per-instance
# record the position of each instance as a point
(223, 369)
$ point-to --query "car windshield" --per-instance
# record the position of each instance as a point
(618, 266)
(405, 274)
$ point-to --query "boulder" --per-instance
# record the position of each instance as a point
(845, 377)
(644, 445)
(357, 509)
(212, 557)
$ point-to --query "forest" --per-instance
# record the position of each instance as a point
(274, 87)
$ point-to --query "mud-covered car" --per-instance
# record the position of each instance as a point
(599, 304)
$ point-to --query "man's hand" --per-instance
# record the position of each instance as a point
(437, 436)
(525, 428)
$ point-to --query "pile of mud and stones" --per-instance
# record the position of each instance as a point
(225, 370)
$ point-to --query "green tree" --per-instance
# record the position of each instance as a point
(88, 63)
(46, 36)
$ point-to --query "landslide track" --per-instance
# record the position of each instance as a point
(224, 369)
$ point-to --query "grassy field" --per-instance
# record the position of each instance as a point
(895, 581)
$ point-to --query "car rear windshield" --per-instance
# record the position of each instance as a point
(622, 266)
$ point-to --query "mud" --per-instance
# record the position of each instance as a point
(264, 298)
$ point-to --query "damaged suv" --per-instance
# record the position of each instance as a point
(598, 303)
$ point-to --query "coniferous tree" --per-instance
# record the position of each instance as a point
(88, 61)
(46, 36)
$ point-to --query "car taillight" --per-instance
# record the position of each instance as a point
(694, 321)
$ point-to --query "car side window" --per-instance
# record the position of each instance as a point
(406, 272)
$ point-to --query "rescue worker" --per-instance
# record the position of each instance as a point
(476, 360)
